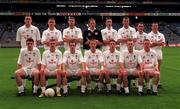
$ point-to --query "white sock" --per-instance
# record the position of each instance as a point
(155, 88)
(99, 86)
(69, 84)
(78, 83)
(126, 89)
(65, 89)
(46, 83)
(114, 81)
(140, 88)
(159, 82)
(148, 85)
(137, 82)
(89, 86)
(108, 86)
(35, 88)
(118, 87)
(121, 85)
(83, 87)
(24, 82)
(57, 89)
(43, 89)
(21, 88)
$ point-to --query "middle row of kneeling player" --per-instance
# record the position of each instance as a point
(141, 64)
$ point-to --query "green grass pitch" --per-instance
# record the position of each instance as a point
(168, 98)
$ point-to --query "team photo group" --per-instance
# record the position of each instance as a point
(108, 55)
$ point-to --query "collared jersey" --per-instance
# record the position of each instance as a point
(23, 33)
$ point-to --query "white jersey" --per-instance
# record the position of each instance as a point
(29, 59)
(140, 40)
(149, 59)
(73, 61)
(51, 34)
(156, 37)
(130, 60)
(130, 32)
(51, 59)
(108, 35)
(23, 33)
(111, 60)
(93, 60)
(72, 33)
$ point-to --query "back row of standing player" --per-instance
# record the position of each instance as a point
(103, 37)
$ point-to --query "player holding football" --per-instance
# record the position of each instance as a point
(28, 65)
(51, 67)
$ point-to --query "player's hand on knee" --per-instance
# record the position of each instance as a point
(63, 74)
(83, 72)
(41, 72)
(156, 69)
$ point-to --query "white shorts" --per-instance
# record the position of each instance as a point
(50, 73)
(131, 71)
(29, 71)
(151, 70)
(113, 70)
(159, 54)
(94, 71)
(73, 72)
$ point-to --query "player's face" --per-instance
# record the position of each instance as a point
(51, 23)
(140, 27)
(108, 22)
(30, 45)
(72, 47)
(71, 22)
(92, 24)
(125, 22)
(28, 20)
(130, 45)
(52, 44)
(112, 45)
(93, 45)
(146, 45)
(154, 27)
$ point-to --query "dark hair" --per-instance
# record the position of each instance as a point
(71, 17)
(125, 17)
(91, 19)
(141, 23)
(30, 40)
(51, 18)
(92, 40)
(112, 40)
(72, 41)
(108, 18)
(52, 40)
(129, 39)
(146, 40)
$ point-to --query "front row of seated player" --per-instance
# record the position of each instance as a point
(95, 65)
